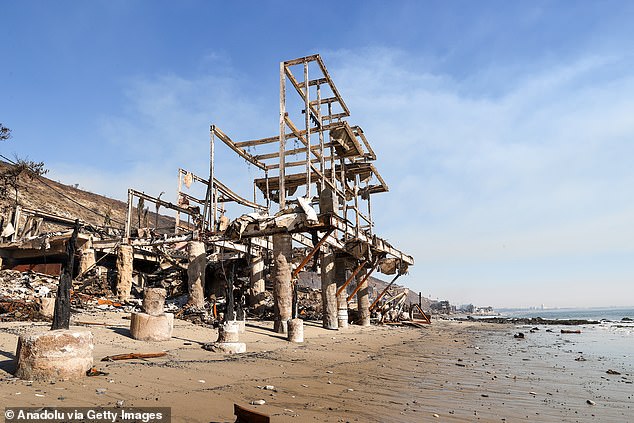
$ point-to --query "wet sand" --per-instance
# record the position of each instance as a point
(449, 371)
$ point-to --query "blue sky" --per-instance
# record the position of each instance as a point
(504, 129)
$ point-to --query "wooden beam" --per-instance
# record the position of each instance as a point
(248, 157)
(298, 88)
(334, 89)
(300, 60)
(360, 284)
(311, 254)
(354, 273)
(384, 291)
(324, 101)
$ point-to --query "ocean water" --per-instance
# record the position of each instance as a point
(612, 339)
(610, 314)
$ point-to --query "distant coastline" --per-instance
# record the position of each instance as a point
(590, 313)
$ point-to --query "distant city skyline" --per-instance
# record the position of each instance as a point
(503, 129)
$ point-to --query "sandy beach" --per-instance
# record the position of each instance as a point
(449, 371)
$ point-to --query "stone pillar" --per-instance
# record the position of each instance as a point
(154, 324)
(87, 260)
(363, 301)
(196, 273)
(328, 289)
(282, 292)
(125, 257)
(342, 303)
(257, 279)
(53, 355)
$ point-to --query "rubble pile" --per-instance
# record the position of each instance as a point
(20, 294)
(309, 303)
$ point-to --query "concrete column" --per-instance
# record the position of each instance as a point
(154, 301)
(87, 260)
(363, 301)
(295, 330)
(154, 324)
(228, 339)
(282, 292)
(342, 303)
(328, 290)
(196, 273)
(54, 355)
(257, 279)
(125, 257)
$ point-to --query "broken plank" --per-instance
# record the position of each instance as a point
(133, 356)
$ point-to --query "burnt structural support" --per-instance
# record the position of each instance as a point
(328, 289)
(196, 273)
(125, 258)
(282, 291)
(61, 315)
(363, 301)
(257, 279)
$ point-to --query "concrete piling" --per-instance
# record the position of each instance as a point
(54, 355)
(196, 273)
(257, 279)
(328, 290)
(125, 257)
(363, 301)
(342, 303)
(295, 330)
(154, 324)
(282, 291)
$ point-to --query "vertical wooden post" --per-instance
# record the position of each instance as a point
(128, 219)
(212, 180)
(282, 170)
(322, 161)
(356, 205)
(307, 123)
(177, 217)
(61, 316)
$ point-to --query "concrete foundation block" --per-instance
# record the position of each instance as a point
(54, 355)
(229, 332)
(154, 301)
(295, 330)
(145, 327)
(227, 347)
(342, 318)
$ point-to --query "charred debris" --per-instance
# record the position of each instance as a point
(304, 245)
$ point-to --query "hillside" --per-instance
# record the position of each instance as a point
(376, 285)
(49, 196)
